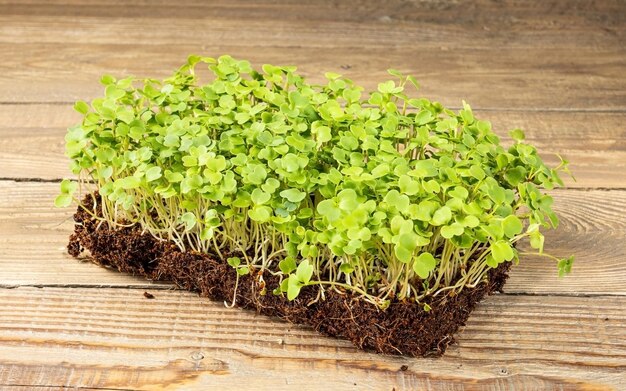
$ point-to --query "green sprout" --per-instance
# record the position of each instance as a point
(68, 188)
(381, 195)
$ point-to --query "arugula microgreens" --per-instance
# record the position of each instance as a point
(384, 195)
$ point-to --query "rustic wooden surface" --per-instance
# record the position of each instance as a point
(555, 68)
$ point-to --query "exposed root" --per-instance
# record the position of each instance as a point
(403, 328)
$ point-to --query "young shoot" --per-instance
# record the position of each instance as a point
(381, 195)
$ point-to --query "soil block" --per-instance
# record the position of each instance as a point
(403, 328)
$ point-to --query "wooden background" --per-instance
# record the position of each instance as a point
(554, 68)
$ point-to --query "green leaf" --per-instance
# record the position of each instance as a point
(375, 99)
(537, 240)
(290, 162)
(242, 271)
(81, 107)
(284, 285)
(517, 134)
(477, 172)
(515, 176)
(126, 116)
(408, 240)
(304, 271)
(270, 185)
(431, 186)
(173, 177)
(424, 169)
(565, 266)
(380, 170)
(423, 117)
(112, 92)
(413, 81)
(386, 87)
(484, 126)
(234, 261)
(105, 172)
(494, 229)
(293, 195)
(287, 265)
(394, 72)
(399, 201)
(107, 79)
(153, 173)
(502, 251)
(399, 225)
(459, 192)
(257, 174)
(349, 142)
(329, 209)
(63, 200)
(128, 183)
(348, 200)
(293, 287)
(455, 229)
(470, 221)
(216, 164)
(170, 140)
(424, 264)
(346, 268)
(260, 214)
(189, 220)
(423, 211)
(512, 225)
(403, 254)
(491, 261)
(68, 186)
(259, 197)
(497, 194)
(408, 186)
(441, 216)
(322, 134)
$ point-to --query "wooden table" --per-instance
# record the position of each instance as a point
(555, 68)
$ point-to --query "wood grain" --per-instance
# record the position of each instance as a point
(554, 68)
(114, 338)
(32, 141)
(531, 78)
(33, 235)
(493, 55)
(451, 23)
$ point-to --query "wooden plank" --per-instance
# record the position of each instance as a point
(33, 240)
(531, 79)
(33, 235)
(552, 67)
(461, 24)
(455, 49)
(118, 339)
(32, 141)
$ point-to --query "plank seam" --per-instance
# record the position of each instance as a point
(37, 180)
(65, 387)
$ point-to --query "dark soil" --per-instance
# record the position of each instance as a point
(403, 328)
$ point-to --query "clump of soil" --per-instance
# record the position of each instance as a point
(403, 328)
